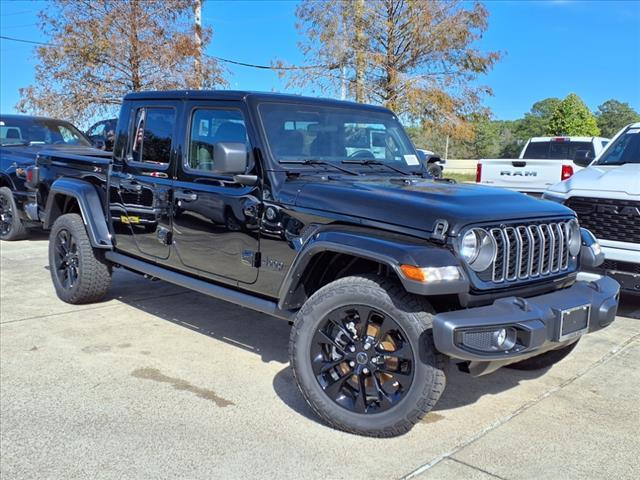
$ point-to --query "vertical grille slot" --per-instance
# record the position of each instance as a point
(528, 251)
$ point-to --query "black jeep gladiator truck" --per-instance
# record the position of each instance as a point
(22, 138)
(283, 204)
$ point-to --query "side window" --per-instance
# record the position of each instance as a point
(211, 126)
(151, 138)
(96, 130)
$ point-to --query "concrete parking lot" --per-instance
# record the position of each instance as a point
(161, 382)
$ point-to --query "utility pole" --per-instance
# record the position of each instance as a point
(343, 56)
(197, 64)
(446, 149)
(359, 44)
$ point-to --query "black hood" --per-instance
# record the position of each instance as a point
(418, 203)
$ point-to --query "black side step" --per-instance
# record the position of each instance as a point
(210, 289)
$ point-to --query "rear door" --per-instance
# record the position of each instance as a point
(140, 196)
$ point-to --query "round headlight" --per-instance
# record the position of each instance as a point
(572, 230)
(469, 246)
(478, 249)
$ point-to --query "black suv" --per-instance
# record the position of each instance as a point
(22, 138)
(320, 212)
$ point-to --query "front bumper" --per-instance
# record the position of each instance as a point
(537, 321)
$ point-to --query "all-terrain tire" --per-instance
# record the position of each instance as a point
(411, 313)
(15, 229)
(435, 170)
(93, 271)
(544, 360)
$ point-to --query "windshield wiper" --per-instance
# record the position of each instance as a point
(320, 162)
(370, 161)
(15, 144)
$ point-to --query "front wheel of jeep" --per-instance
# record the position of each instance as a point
(362, 354)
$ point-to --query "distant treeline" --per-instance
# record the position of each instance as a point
(551, 116)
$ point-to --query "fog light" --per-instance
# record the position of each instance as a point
(498, 340)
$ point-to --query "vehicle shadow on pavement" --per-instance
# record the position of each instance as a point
(268, 337)
(629, 306)
(251, 331)
(461, 390)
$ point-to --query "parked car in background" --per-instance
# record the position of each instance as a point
(543, 162)
(102, 134)
(384, 273)
(432, 162)
(606, 197)
(22, 139)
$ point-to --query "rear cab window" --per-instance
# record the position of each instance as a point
(559, 150)
(152, 132)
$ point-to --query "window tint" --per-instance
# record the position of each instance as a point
(151, 138)
(97, 129)
(211, 126)
(39, 131)
(317, 132)
(537, 150)
(568, 150)
(559, 150)
(626, 149)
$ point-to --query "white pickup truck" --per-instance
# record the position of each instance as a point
(606, 197)
(543, 162)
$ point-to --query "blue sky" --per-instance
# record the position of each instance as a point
(551, 48)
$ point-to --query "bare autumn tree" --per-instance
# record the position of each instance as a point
(100, 50)
(416, 57)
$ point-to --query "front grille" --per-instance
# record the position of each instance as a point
(608, 219)
(528, 252)
(627, 267)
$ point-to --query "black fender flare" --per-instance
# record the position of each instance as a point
(90, 205)
(386, 251)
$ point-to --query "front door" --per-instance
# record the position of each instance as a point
(216, 220)
(140, 196)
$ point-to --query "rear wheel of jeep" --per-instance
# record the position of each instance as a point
(544, 360)
(79, 272)
(11, 227)
(363, 356)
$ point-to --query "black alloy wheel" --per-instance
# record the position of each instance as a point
(66, 260)
(6, 216)
(362, 359)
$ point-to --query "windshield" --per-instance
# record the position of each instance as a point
(39, 131)
(625, 149)
(559, 150)
(299, 133)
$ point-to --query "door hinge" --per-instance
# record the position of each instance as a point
(257, 259)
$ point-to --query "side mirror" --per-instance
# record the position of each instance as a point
(582, 158)
(230, 158)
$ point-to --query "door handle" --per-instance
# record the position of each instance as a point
(185, 196)
(130, 185)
